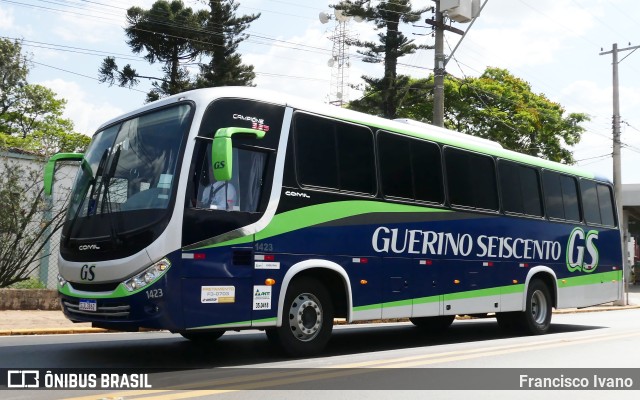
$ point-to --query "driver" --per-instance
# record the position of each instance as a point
(220, 195)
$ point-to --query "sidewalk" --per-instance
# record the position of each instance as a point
(13, 322)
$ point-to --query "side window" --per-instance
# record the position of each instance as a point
(242, 192)
(333, 154)
(561, 196)
(471, 179)
(597, 203)
(520, 189)
(570, 198)
(316, 151)
(605, 201)
(410, 168)
(590, 202)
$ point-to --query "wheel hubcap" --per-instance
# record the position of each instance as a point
(305, 317)
(539, 307)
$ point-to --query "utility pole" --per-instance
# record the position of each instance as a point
(438, 70)
(617, 169)
(459, 11)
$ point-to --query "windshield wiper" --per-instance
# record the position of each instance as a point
(106, 197)
(91, 208)
(91, 205)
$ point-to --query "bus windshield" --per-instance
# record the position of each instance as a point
(130, 166)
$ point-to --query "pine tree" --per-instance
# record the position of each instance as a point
(224, 34)
(167, 33)
(392, 44)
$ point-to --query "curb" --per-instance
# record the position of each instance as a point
(50, 331)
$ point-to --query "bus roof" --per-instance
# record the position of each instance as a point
(410, 128)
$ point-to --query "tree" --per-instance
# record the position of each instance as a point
(31, 115)
(496, 106)
(27, 220)
(167, 33)
(392, 45)
(224, 32)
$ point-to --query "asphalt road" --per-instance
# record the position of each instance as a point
(376, 360)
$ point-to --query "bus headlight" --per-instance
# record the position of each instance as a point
(61, 281)
(147, 276)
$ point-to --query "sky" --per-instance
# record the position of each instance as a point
(554, 45)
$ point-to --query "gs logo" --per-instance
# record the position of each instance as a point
(86, 272)
(218, 165)
(578, 242)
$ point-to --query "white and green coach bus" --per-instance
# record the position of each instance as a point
(236, 208)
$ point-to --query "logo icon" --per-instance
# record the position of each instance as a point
(579, 241)
(23, 379)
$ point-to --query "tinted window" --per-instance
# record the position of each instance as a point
(553, 195)
(471, 179)
(395, 166)
(590, 202)
(356, 164)
(561, 196)
(570, 198)
(410, 168)
(316, 151)
(520, 189)
(334, 154)
(607, 212)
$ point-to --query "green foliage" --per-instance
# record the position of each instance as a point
(496, 106)
(31, 115)
(30, 283)
(224, 32)
(173, 35)
(166, 33)
(391, 45)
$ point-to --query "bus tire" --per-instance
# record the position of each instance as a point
(202, 337)
(307, 319)
(536, 319)
(433, 324)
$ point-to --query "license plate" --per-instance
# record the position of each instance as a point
(88, 305)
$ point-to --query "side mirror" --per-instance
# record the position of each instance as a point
(221, 150)
(50, 167)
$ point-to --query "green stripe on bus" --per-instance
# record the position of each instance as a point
(317, 214)
(583, 280)
(235, 324)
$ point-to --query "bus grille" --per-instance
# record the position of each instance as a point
(95, 287)
(111, 311)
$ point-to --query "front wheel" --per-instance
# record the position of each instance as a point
(307, 319)
(536, 319)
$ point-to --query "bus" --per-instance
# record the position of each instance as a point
(236, 208)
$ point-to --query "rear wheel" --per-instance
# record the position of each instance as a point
(433, 324)
(536, 319)
(202, 337)
(307, 319)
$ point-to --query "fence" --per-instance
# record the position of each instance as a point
(26, 200)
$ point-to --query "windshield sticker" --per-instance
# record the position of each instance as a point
(256, 123)
(218, 294)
